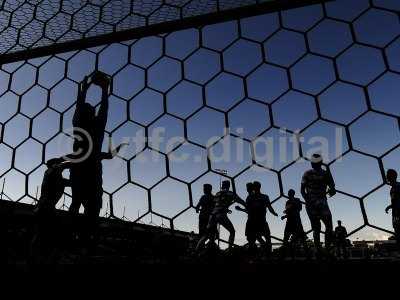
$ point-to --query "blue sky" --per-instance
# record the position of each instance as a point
(240, 70)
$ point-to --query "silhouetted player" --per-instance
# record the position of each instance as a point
(53, 186)
(223, 200)
(250, 234)
(391, 177)
(314, 188)
(341, 240)
(52, 189)
(257, 207)
(205, 207)
(294, 227)
(86, 175)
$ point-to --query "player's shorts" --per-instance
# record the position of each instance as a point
(294, 226)
(319, 209)
(255, 227)
(221, 219)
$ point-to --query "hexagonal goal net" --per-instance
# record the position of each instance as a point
(246, 99)
(38, 28)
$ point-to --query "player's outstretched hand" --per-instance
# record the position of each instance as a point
(101, 79)
(122, 145)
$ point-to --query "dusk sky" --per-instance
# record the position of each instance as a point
(250, 75)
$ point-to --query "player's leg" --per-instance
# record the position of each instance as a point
(250, 235)
(326, 218)
(92, 212)
(203, 222)
(208, 234)
(77, 190)
(286, 237)
(251, 239)
(344, 249)
(227, 224)
(396, 227)
(77, 199)
(287, 233)
(315, 226)
(267, 236)
(299, 236)
(303, 239)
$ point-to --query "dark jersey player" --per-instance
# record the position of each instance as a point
(53, 186)
(205, 207)
(52, 189)
(294, 228)
(314, 189)
(250, 234)
(391, 177)
(89, 129)
(257, 226)
(341, 240)
(219, 216)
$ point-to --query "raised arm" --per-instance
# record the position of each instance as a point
(331, 184)
(104, 83)
(81, 99)
(115, 151)
(240, 201)
(304, 187)
(271, 209)
(112, 152)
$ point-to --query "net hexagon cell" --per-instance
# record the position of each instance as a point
(325, 75)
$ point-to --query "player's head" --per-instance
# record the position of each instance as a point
(249, 187)
(316, 161)
(291, 193)
(207, 189)
(391, 176)
(339, 223)
(226, 185)
(257, 186)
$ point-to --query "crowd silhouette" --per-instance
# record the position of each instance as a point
(85, 165)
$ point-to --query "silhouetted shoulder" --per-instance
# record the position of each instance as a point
(312, 175)
(206, 199)
(265, 198)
